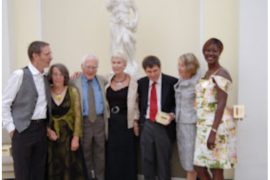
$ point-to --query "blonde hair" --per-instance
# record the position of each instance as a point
(190, 63)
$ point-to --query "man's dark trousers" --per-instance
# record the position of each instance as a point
(29, 151)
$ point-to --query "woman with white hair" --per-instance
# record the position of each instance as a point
(121, 93)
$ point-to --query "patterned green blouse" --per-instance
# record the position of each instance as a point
(69, 111)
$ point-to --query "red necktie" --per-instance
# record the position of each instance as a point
(153, 102)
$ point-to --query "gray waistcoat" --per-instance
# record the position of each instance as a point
(23, 106)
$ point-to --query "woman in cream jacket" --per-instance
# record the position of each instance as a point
(121, 94)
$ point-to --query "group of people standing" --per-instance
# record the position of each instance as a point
(86, 127)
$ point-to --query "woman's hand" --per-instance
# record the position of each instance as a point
(172, 117)
(211, 140)
(74, 143)
(136, 128)
(51, 134)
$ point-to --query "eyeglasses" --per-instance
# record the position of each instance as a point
(91, 68)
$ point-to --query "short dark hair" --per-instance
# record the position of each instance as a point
(214, 41)
(150, 61)
(35, 47)
(64, 71)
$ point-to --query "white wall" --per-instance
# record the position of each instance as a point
(24, 27)
(221, 21)
(252, 91)
(166, 29)
(74, 28)
(6, 56)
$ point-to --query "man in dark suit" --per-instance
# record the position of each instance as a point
(156, 93)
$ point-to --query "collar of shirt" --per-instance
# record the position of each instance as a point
(85, 80)
(158, 81)
(187, 82)
(34, 70)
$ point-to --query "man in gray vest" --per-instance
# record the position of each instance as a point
(26, 106)
(95, 115)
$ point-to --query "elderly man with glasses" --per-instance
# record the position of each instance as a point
(95, 115)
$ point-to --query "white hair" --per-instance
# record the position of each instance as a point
(120, 55)
(89, 57)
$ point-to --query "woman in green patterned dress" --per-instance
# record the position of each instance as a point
(64, 154)
(216, 129)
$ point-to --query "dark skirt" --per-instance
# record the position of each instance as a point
(121, 150)
(64, 164)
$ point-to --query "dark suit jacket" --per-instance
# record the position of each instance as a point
(167, 100)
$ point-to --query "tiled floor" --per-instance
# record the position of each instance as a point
(141, 178)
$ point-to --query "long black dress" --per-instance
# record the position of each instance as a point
(121, 149)
(64, 164)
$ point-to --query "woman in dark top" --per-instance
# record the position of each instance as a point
(64, 131)
(121, 94)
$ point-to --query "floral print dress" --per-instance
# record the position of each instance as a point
(223, 156)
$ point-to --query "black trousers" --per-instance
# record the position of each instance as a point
(156, 151)
(29, 151)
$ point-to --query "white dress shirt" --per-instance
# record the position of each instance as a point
(158, 89)
(11, 90)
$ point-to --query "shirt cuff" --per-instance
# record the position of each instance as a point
(10, 127)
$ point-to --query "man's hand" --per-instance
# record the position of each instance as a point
(136, 128)
(74, 143)
(75, 75)
(11, 134)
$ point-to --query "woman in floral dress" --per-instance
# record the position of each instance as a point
(216, 129)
